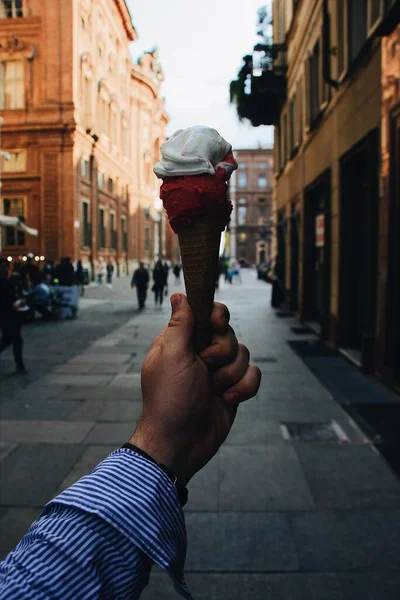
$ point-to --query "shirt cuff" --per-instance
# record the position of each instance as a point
(137, 498)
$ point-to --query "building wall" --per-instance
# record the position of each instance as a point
(251, 197)
(89, 116)
(315, 136)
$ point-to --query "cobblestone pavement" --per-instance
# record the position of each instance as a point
(298, 504)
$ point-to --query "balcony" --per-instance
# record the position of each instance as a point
(260, 89)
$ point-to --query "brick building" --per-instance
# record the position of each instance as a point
(251, 195)
(83, 126)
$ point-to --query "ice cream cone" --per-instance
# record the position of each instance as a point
(200, 252)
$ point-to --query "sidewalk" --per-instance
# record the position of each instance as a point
(298, 504)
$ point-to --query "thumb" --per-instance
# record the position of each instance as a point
(180, 327)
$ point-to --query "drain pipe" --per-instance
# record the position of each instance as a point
(326, 40)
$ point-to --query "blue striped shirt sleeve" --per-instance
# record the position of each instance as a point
(100, 537)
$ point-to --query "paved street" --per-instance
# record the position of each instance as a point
(298, 504)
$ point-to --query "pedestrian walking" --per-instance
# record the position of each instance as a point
(160, 281)
(140, 280)
(80, 277)
(65, 273)
(11, 319)
(177, 273)
(100, 270)
(277, 295)
(29, 271)
(110, 271)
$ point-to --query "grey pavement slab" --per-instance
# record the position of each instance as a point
(110, 433)
(270, 479)
(14, 524)
(34, 471)
(89, 459)
(111, 369)
(287, 586)
(6, 449)
(61, 432)
(250, 431)
(348, 476)
(239, 542)
(109, 410)
(100, 394)
(37, 408)
(348, 540)
(73, 368)
(98, 358)
(89, 380)
(204, 488)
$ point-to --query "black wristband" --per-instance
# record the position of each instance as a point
(182, 490)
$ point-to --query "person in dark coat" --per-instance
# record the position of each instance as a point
(29, 272)
(177, 273)
(141, 279)
(10, 319)
(277, 292)
(65, 272)
(160, 281)
(80, 277)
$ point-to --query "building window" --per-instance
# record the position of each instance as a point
(374, 12)
(110, 186)
(242, 180)
(87, 98)
(102, 228)
(147, 213)
(114, 127)
(104, 115)
(262, 165)
(100, 180)
(125, 138)
(284, 142)
(262, 180)
(341, 35)
(85, 168)
(292, 125)
(299, 113)
(147, 239)
(86, 229)
(11, 9)
(242, 210)
(113, 232)
(242, 237)
(242, 166)
(12, 91)
(314, 98)
(16, 162)
(242, 202)
(14, 207)
(357, 26)
(124, 235)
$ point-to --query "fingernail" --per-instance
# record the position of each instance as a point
(231, 396)
(176, 301)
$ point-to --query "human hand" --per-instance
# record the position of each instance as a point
(190, 401)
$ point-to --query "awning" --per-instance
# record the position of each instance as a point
(16, 222)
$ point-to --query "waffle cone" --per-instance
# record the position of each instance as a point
(199, 245)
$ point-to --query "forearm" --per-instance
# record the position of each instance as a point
(102, 534)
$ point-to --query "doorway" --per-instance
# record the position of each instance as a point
(281, 247)
(359, 172)
(392, 354)
(317, 254)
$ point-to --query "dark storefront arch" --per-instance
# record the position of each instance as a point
(295, 224)
(317, 258)
(359, 197)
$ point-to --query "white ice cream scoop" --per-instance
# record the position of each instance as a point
(193, 151)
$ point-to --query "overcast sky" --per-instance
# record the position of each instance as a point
(201, 45)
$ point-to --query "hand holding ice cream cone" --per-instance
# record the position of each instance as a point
(195, 167)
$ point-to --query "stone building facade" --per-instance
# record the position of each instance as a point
(83, 126)
(251, 196)
(330, 219)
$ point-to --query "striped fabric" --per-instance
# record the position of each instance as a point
(100, 537)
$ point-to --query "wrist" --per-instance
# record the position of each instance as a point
(160, 451)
